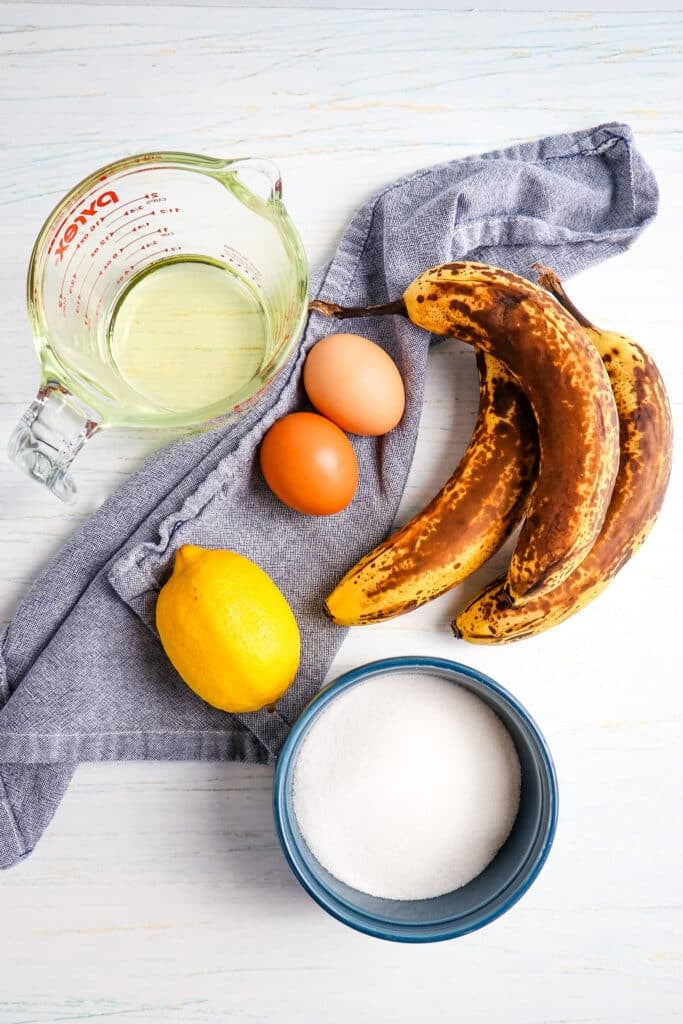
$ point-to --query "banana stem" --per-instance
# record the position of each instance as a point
(397, 307)
(549, 280)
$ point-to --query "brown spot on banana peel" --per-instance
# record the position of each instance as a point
(549, 355)
(463, 525)
(646, 442)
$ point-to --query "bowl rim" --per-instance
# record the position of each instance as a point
(354, 918)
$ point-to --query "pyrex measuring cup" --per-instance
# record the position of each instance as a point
(165, 290)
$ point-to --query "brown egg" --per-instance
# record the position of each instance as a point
(355, 383)
(309, 463)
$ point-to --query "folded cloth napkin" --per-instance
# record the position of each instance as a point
(82, 673)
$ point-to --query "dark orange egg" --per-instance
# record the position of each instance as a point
(309, 463)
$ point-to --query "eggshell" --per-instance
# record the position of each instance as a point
(355, 383)
(309, 463)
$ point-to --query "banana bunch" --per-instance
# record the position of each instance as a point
(646, 441)
(573, 439)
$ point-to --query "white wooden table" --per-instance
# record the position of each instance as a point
(159, 892)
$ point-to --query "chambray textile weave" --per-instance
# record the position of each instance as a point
(82, 673)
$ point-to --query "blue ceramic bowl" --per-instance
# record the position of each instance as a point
(487, 896)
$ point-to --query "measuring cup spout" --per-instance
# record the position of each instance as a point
(49, 436)
(255, 173)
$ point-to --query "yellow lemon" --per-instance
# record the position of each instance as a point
(227, 630)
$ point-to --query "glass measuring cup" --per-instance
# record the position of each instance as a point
(165, 290)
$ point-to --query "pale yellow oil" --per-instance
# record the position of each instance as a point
(188, 334)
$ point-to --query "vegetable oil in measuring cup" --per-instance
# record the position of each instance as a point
(188, 333)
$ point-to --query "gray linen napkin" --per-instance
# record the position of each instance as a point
(82, 673)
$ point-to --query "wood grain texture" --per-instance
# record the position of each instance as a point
(159, 893)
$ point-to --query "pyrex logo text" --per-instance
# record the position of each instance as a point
(104, 199)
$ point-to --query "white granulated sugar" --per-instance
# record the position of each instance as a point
(406, 786)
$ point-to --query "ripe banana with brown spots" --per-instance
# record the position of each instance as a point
(644, 469)
(463, 525)
(560, 372)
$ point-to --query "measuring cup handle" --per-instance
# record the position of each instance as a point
(253, 171)
(49, 436)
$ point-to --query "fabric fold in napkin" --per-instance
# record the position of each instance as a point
(82, 673)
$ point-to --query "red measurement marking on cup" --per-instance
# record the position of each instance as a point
(107, 237)
(80, 247)
(100, 273)
(173, 248)
(139, 238)
(144, 259)
(162, 232)
(127, 221)
(76, 279)
(131, 231)
(170, 249)
(75, 275)
(86, 319)
(80, 222)
(66, 268)
(139, 209)
(136, 206)
(146, 247)
(130, 203)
